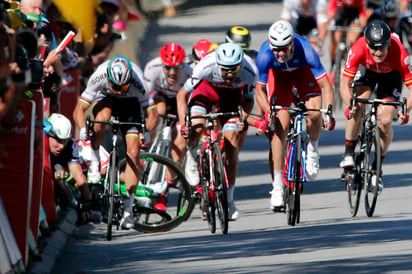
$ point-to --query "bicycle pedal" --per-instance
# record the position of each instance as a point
(278, 209)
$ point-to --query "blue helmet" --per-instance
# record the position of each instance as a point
(229, 55)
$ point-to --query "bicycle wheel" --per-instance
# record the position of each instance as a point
(110, 193)
(294, 185)
(161, 206)
(372, 155)
(338, 69)
(208, 197)
(221, 202)
(353, 182)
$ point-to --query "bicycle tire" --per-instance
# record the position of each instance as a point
(208, 197)
(294, 190)
(221, 202)
(177, 197)
(338, 69)
(373, 154)
(353, 181)
(112, 180)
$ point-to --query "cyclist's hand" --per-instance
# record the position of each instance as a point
(261, 126)
(403, 120)
(329, 122)
(83, 134)
(267, 117)
(184, 131)
(349, 112)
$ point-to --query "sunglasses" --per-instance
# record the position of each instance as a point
(177, 67)
(381, 48)
(284, 49)
(61, 141)
(123, 88)
(230, 69)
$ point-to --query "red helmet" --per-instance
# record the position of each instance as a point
(200, 49)
(172, 54)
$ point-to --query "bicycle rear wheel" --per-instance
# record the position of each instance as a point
(161, 205)
(221, 202)
(295, 185)
(372, 156)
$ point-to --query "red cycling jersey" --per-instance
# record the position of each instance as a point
(359, 4)
(397, 58)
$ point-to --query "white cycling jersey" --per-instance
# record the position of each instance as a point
(157, 82)
(292, 9)
(208, 69)
(98, 86)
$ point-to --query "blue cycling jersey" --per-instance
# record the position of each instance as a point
(303, 55)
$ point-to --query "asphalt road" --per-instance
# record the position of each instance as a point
(327, 240)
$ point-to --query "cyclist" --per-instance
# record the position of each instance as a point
(241, 36)
(164, 76)
(345, 13)
(294, 63)
(309, 18)
(377, 60)
(117, 88)
(224, 78)
(64, 158)
(199, 50)
(389, 12)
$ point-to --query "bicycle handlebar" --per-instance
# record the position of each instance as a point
(113, 122)
(214, 115)
(377, 102)
(345, 29)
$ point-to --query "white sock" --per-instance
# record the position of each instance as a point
(278, 180)
(312, 146)
(128, 203)
(230, 193)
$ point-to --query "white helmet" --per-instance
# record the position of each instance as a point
(281, 34)
(390, 9)
(229, 55)
(61, 126)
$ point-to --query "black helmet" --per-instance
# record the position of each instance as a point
(377, 34)
(239, 35)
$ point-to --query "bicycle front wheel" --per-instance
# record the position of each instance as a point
(295, 184)
(220, 190)
(372, 166)
(110, 193)
(353, 181)
(161, 205)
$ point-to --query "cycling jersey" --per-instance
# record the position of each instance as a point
(208, 69)
(396, 59)
(292, 10)
(98, 86)
(157, 82)
(303, 55)
(358, 4)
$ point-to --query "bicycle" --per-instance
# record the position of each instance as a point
(152, 189)
(213, 178)
(294, 171)
(340, 59)
(162, 143)
(367, 157)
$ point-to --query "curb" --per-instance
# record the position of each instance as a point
(54, 244)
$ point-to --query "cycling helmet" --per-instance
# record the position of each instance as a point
(390, 9)
(377, 34)
(61, 127)
(281, 34)
(119, 71)
(229, 55)
(239, 35)
(200, 49)
(172, 54)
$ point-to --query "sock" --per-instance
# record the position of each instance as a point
(312, 146)
(278, 181)
(128, 203)
(230, 193)
(350, 147)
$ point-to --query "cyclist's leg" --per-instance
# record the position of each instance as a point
(389, 87)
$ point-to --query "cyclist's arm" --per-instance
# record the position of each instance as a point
(327, 91)
(78, 175)
(345, 89)
(181, 101)
(261, 97)
(79, 113)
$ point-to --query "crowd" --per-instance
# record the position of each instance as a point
(223, 74)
